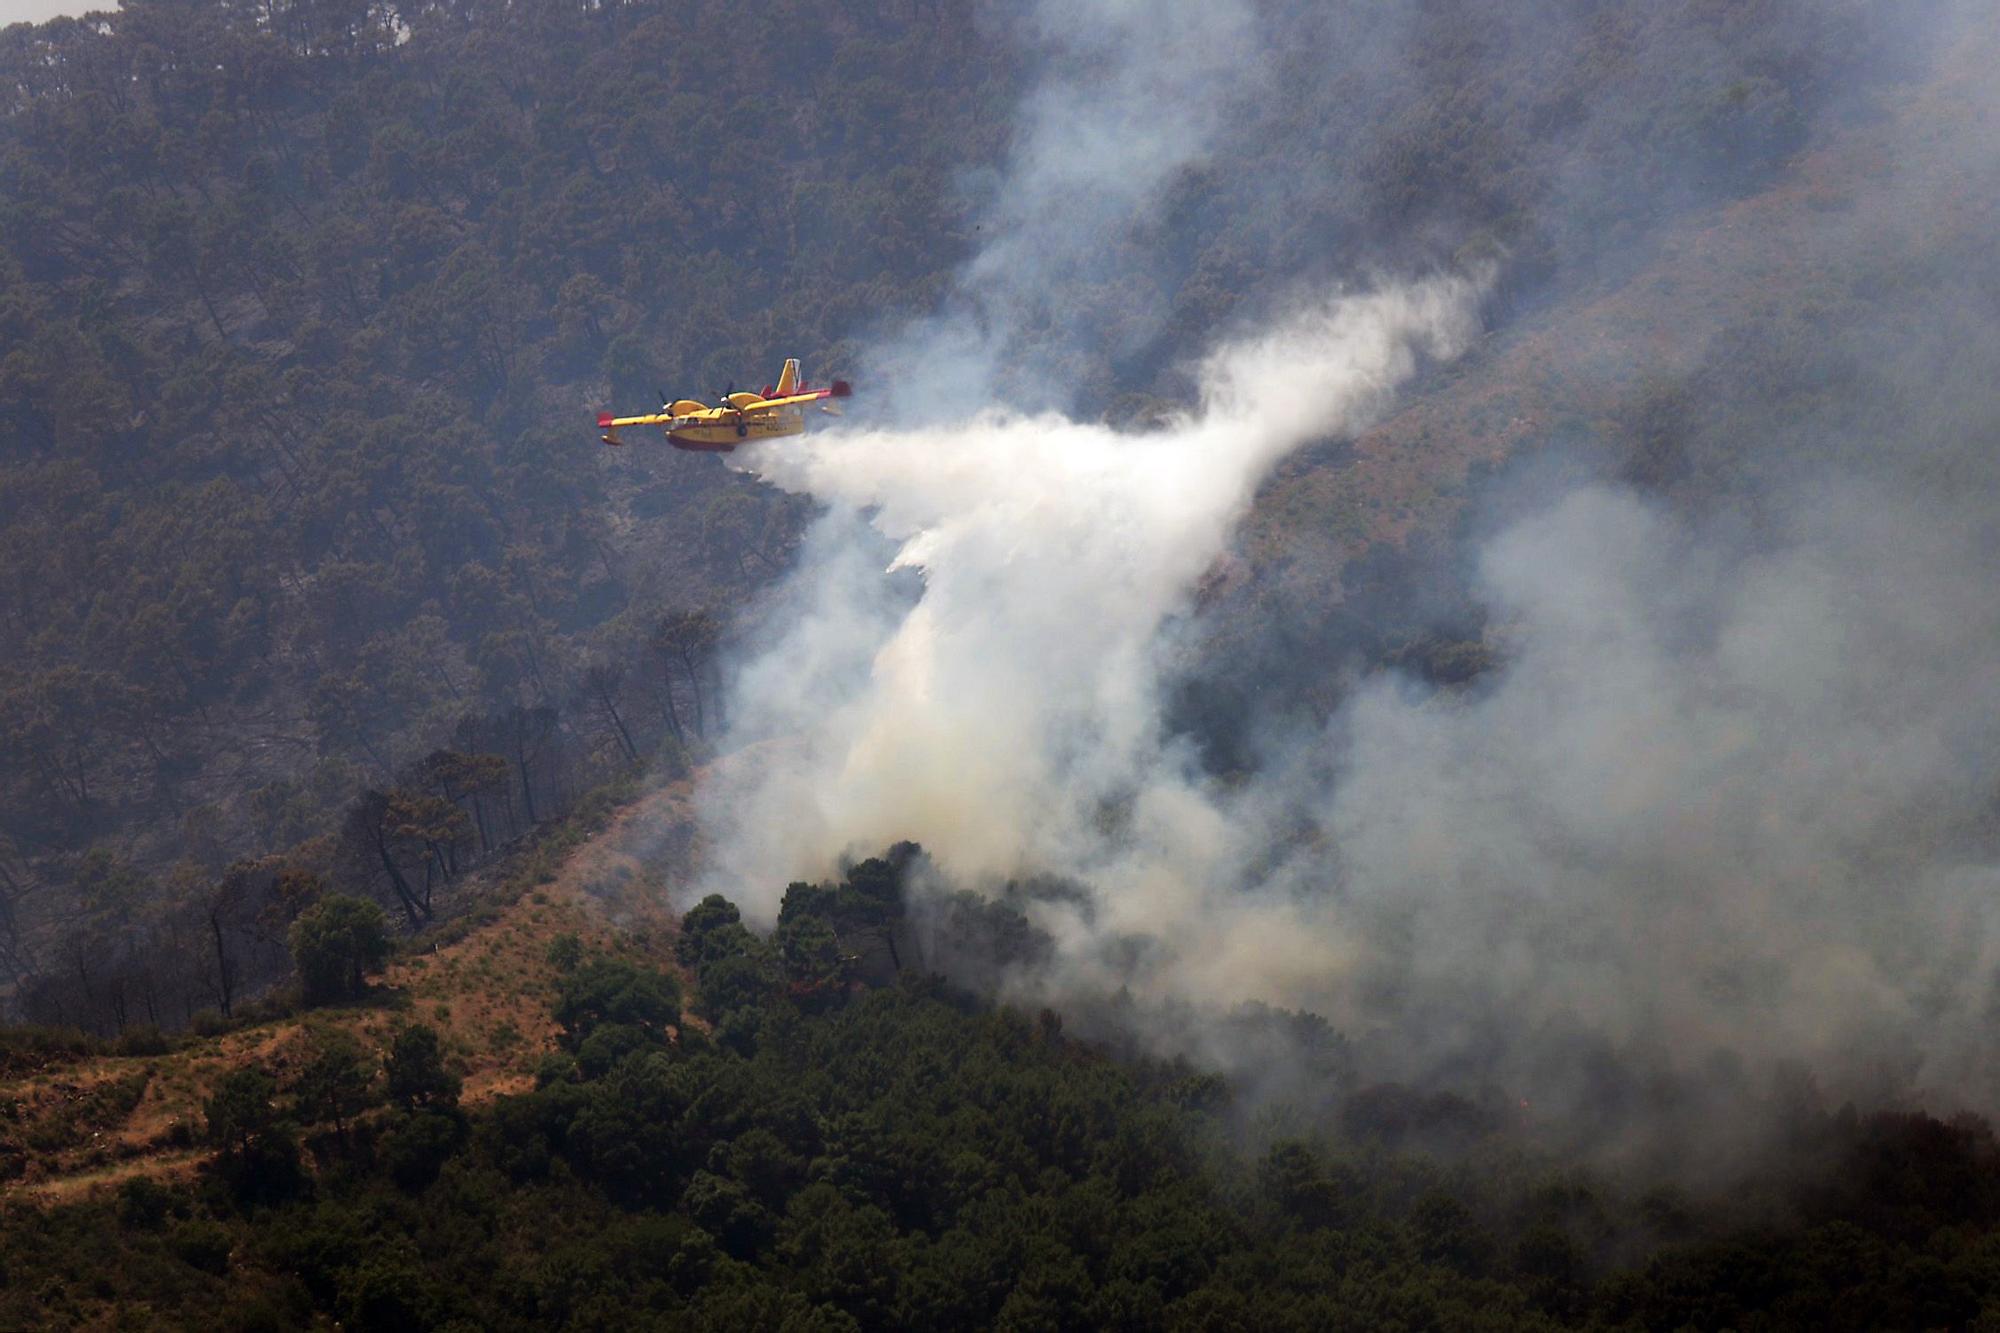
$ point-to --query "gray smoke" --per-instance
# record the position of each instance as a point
(1008, 719)
(1718, 801)
(1132, 93)
(1727, 804)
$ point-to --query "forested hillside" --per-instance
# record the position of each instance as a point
(308, 548)
(305, 320)
(739, 1132)
(358, 709)
(1829, 325)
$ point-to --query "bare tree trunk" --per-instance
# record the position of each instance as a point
(417, 912)
(225, 979)
(527, 790)
(673, 714)
(479, 819)
(631, 750)
(693, 669)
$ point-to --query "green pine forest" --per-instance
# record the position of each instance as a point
(311, 560)
(333, 636)
(795, 1137)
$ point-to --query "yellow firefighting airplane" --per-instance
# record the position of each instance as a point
(742, 417)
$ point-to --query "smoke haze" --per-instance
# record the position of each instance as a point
(1009, 718)
(1726, 805)
(1131, 95)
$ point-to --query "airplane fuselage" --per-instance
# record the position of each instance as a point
(740, 418)
(718, 431)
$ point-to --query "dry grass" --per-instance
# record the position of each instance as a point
(92, 1124)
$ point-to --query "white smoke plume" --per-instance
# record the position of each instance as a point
(1728, 803)
(1009, 719)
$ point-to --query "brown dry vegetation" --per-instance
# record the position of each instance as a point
(484, 982)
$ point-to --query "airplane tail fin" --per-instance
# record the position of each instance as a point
(788, 379)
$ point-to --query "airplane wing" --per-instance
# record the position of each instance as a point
(838, 389)
(610, 424)
(605, 421)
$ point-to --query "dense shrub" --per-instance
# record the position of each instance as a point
(335, 945)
